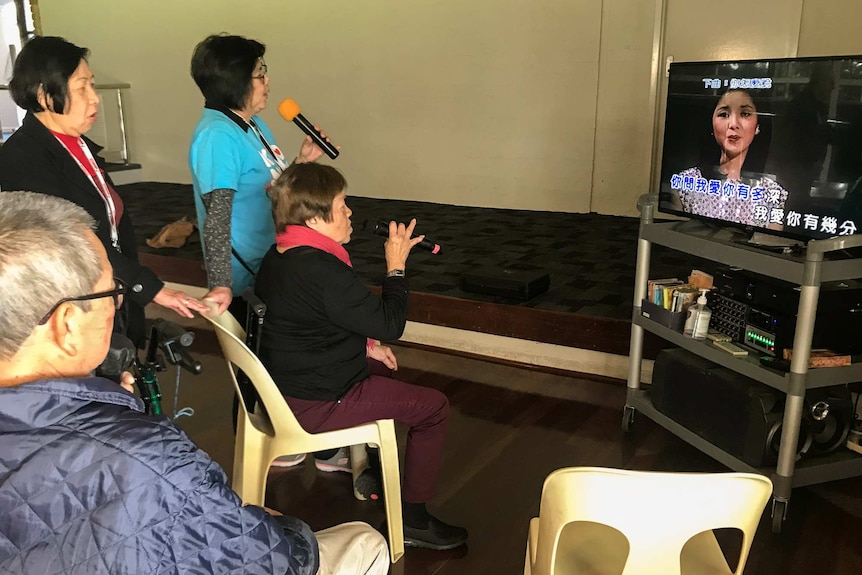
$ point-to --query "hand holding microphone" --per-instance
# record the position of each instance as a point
(398, 245)
(381, 228)
(289, 110)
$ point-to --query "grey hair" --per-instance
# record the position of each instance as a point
(45, 256)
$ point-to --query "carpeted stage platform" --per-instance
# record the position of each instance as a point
(590, 258)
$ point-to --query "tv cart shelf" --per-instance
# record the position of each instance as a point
(815, 265)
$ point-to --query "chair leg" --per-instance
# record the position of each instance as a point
(238, 477)
(392, 497)
(257, 487)
(249, 469)
(249, 481)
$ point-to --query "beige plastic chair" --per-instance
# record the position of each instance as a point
(595, 520)
(274, 431)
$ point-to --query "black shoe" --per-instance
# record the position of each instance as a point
(438, 535)
(369, 485)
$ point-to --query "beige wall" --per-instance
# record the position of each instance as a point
(623, 131)
(830, 28)
(535, 104)
(732, 29)
(479, 103)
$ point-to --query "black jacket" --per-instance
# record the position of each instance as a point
(32, 159)
(319, 314)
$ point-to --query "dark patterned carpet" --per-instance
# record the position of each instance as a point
(590, 257)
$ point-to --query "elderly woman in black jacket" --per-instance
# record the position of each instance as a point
(49, 154)
(319, 342)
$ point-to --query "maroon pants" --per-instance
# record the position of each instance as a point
(424, 410)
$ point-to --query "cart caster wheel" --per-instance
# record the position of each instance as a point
(628, 418)
(779, 514)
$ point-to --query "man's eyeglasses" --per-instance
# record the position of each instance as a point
(117, 294)
(261, 74)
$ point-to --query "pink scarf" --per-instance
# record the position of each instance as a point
(295, 235)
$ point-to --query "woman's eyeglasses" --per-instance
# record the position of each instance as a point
(261, 74)
(117, 294)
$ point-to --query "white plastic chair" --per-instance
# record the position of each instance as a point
(595, 520)
(272, 432)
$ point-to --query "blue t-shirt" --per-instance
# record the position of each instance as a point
(226, 153)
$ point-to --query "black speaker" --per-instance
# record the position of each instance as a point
(735, 413)
(516, 282)
(829, 413)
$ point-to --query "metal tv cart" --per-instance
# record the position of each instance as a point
(822, 261)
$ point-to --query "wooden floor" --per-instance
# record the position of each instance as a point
(503, 439)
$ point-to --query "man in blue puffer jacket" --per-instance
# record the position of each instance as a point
(88, 483)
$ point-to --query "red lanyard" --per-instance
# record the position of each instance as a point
(98, 181)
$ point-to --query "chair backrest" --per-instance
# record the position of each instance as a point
(276, 417)
(657, 512)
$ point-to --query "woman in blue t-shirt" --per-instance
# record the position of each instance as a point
(233, 158)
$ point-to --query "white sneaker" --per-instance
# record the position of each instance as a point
(338, 462)
(288, 460)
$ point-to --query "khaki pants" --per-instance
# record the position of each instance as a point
(352, 549)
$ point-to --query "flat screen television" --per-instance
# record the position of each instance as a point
(771, 145)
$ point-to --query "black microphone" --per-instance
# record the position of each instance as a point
(381, 228)
(289, 110)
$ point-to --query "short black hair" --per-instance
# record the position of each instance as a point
(222, 66)
(49, 62)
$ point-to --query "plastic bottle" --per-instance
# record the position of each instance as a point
(697, 320)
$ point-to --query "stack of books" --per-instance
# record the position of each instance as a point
(667, 300)
(672, 294)
(676, 295)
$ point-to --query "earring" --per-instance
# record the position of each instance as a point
(756, 130)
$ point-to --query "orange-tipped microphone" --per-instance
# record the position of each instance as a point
(289, 110)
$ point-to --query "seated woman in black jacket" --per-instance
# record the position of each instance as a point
(322, 326)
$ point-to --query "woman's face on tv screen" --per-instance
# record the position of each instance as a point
(734, 122)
